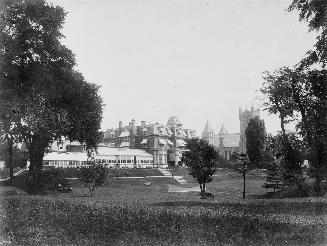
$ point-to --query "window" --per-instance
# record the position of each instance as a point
(128, 161)
(141, 161)
(109, 161)
(124, 161)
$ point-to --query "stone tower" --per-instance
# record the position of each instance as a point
(245, 116)
(208, 133)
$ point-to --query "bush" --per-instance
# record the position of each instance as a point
(51, 178)
(45, 180)
(93, 176)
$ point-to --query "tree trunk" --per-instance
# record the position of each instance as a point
(318, 185)
(36, 159)
(203, 192)
(10, 162)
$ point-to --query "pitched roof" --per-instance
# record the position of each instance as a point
(207, 128)
(223, 130)
(125, 144)
(65, 156)
(124, 134)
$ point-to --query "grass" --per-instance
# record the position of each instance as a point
(127, 212)
(39, 221)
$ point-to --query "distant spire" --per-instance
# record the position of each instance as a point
(223, 130)
(207, 128)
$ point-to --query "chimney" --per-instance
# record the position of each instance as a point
(120, 127)
(133, 127)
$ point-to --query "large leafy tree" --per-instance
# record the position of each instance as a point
(200, 157)
(304, 103)
(314, 12)
(42, 96)
(255, 134)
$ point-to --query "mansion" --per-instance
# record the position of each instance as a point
(227, 143)
(148, 145)
(130, 146)
(165, 142)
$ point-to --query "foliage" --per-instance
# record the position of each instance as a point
(42, 96)
(51, 178)
(301, 96)
(274, 177)
(255, 134)
(19, 157)
(93, 176)
(291, 155)
(315, 13)
(47, 180)
(200, 157)
(69, 223)
(221, 162)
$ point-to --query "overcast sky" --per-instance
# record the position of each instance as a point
(196, 59)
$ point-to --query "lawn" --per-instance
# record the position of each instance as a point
(33, 220)
(227, 185)
(128, 212)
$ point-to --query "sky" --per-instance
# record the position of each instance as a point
(196, 59)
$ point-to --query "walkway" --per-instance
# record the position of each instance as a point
(179, 179)
(15, 174)
(173, 188)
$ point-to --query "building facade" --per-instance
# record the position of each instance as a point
(227, 143)
(165, 142)
(66, 154)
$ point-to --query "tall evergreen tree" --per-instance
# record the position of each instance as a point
(274, 177)
(255, 134)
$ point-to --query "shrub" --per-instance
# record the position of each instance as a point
(45, 180)
(51, 178)
(93, 176)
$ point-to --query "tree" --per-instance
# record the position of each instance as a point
(291, 156)
(315, 13)
(255, 134)
(200, 157)
(305, 103)
(274, 177)
(300, 94)
(93, 176)
(51, 99)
